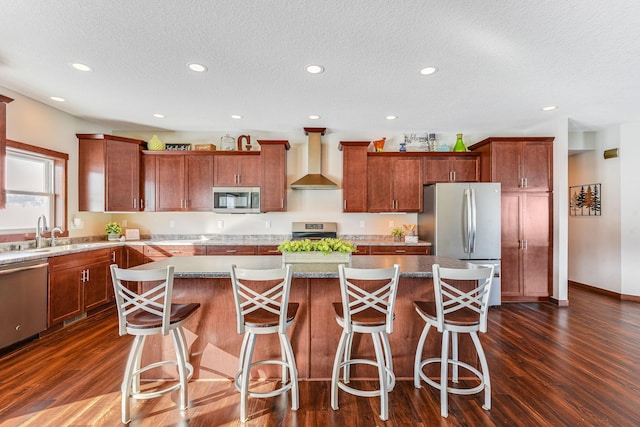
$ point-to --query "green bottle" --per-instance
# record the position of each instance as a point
(459, 144)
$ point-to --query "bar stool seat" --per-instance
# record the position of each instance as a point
(455, 310)
(262, 307)
(151, 312)
(368, 300)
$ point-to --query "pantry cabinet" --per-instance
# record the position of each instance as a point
(394, 183)
(235, 169)
(108, 173)
(517, 163)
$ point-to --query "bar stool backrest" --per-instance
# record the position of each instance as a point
(155, 301)
(450, 298)
(251, 294)
(382, 297)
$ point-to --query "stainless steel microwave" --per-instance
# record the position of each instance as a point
(236, 199)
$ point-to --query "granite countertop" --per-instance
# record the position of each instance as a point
(11, 257)
(219, 267)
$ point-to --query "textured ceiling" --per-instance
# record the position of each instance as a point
(499, 62)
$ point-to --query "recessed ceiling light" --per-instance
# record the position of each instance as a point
(549, 108)
(159, 116)
(427, 71)
(314, 69)
(236, 116)
(56, 98)
(198, 68)
(81, 67)
(391, 117)
(314, 117)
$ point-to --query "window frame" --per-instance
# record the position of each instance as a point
(60, 161)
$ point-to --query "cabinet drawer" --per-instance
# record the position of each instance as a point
(400, 250)
(268, 250)
(232, 250)
(362, 250)
(79, 259)
(159, 251)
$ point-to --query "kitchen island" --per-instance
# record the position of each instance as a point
(215, 344)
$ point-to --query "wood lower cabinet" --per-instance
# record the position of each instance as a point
(354, 175)
(232, 250)
(458, 167)
(108, 173)
(269, 250)
(399, 250)
(77, 283)
(394, 183)
(525, 270)
(236, 169)
(158, 252)
(273, 158)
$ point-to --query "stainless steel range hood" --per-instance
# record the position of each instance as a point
(314, 180)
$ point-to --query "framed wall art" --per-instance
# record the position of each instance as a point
(585, 200)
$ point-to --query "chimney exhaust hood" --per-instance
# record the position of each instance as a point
(314, 180)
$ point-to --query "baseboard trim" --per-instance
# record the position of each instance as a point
(621, 297)
(560, 302)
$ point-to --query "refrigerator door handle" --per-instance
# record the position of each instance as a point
(473, 223)
(467, 221)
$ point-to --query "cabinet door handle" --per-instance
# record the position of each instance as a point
(400, 251)
(453, 173)
(141, 204)
(526, 183)
(88, 279)
(526, 244)
(344, 205)
(113, 256)
(135, 203)
(231, 251)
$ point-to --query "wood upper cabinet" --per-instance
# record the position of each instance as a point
(519, 164)
(354, 175)
(526, 245)
(273, 158)
(148, 182)
(458, 167)
(235, 169)
(77, 283)
(108, 173)
(183, 182)
(394, 183)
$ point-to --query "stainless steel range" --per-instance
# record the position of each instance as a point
(313, 230)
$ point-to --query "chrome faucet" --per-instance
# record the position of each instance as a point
(53, 235)
(41, 227)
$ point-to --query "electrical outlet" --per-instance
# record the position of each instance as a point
(361, 224)
(392, 224)
(124, 222)
(220, 224)
(267, 224)
(172, 224)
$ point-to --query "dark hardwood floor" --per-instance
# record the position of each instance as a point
(574, 366)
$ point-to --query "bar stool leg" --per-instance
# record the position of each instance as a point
(347, 356)
(336, 369)
(283, 355)
(485, 371)
(444, 373)
(293, 371)
(129, 374)
(245, 376)
(454, 356)
(418, 360)
(138, 361)
(388, 360)
(182, 368)
(382, 374)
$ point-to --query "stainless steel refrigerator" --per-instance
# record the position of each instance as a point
(462, 220)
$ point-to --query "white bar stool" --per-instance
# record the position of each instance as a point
(455, 311)
(262, 307)
(151, 313)
(368, 311)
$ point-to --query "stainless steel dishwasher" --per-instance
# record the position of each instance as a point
(23, 301)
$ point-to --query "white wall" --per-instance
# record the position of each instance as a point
(34, 123)
(595, 242)
(630, 208)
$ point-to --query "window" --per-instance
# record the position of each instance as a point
(35, 185)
